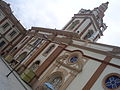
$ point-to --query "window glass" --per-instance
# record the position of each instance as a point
(112, 82)
(74, 59)
(5, 25)
(2, 43)
(12, 33)
(49, 49)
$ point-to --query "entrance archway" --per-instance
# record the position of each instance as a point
(54, 81)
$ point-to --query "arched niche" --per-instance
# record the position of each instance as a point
(22, 56)
(34, 65)
(54, 81)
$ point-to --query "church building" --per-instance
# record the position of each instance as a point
(67, 59)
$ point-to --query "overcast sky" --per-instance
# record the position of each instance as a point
(56, 13)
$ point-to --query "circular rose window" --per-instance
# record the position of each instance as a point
(73, 59)
(112, 82)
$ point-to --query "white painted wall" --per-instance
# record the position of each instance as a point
(78, 42)
(115, 61)
(89, 28)
(100, 47)
(83, 26)
(95, 13)
(108, 70)
(82, 78)
(88, 53)
(41, 57)
(94, 46)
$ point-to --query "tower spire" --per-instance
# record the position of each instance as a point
(99, 14)
(101, 9)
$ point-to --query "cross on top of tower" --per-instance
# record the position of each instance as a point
(99, 10)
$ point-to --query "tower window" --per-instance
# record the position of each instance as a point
(89, 34)
(2, 43)
(12, 33)
(74, 24)
(5, 25)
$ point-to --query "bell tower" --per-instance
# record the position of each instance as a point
(88, 23)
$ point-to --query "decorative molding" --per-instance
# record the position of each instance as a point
(97, 74)
(106, 77)
(50, 59)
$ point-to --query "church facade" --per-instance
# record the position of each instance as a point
(67, 59)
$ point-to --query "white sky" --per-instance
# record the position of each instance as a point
(56, 13)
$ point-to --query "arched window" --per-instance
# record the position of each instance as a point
(2, 43)
(14, 49)
(38, 41)
(22, 56)
(35, 65)
(54, 82)
(49, 49)
(74, 24)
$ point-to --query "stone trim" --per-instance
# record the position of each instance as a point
(3, 20)
(96, 59)
(95, 50)
(49, 60)
(80, 24)
(22, 46)
(97, 74)
(35, 54)
(10, 43)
